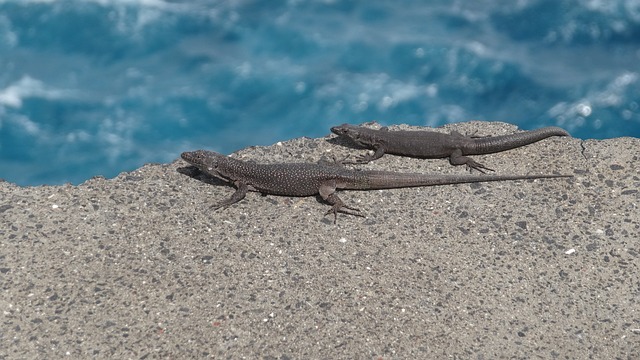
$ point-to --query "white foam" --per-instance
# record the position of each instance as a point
(12, 95)
(152, 3)
(28, 1)
(364, 90)
(27, 125)
(574, 114)
(26, 87)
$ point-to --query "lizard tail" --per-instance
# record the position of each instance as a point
(390, 180)
(493, 144)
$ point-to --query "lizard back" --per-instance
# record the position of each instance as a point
(290, 179)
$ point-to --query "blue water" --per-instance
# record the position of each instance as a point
(97, 87)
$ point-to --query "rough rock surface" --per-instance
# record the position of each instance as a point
(140, 267)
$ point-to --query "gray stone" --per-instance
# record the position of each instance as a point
(140, 267)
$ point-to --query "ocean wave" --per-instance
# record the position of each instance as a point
(102, 86)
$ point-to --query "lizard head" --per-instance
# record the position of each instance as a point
(355, 133)
(204, 160)
(344, 130)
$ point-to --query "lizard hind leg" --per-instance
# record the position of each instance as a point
(456, 158)
(337, 205)
(328, 193)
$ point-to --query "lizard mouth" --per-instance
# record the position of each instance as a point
(192, 157)
(338, 130)
(187, 156)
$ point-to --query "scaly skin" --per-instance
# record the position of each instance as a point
(435, 145)
(307, 179)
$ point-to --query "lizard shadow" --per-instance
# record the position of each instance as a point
(341, 141)
(195, 173)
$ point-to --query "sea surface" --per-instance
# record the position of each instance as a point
(97, 87)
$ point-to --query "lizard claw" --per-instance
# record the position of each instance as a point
(335, 214)
(335, 209)
(341, 161)
(333, 160)
(357, 161)
(473, 165)
(360, 159)
(363, 159)
(218, 206)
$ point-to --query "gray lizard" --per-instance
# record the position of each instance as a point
(436, 145)
(308, 179)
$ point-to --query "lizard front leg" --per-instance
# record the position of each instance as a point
(333, 161)
(328, 193)
(240, 193)
(366, 158)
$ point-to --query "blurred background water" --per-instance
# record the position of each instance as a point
(97, 87)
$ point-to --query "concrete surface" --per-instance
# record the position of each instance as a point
(139, 267)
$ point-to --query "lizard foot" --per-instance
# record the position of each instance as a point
(217, 206)
(456, 158)
(336, 208)
(358, 161)
(472, 165)
(364, 159)
(335, 161)
(237, 196)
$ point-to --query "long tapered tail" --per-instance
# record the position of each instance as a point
(493, 144)
(391, 180)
